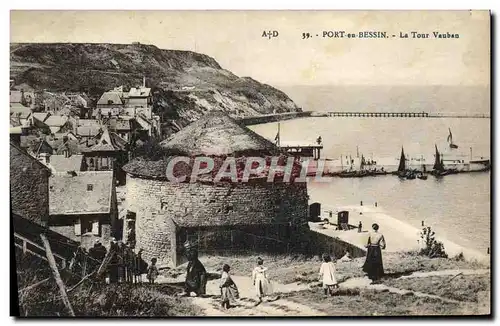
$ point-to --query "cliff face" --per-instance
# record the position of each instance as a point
(185, 84)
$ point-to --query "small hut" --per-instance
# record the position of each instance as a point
(223, 215)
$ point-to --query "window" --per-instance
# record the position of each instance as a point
(86, 226)
(90, 187)
(163, 205)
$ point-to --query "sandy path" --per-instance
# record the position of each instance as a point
(247, 303)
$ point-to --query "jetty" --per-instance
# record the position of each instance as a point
(403, 114)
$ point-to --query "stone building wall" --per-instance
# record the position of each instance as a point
(232, 205)
(29, 186)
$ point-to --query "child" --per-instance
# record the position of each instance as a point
(327, 275)
(229, 291)
(260, 280)
(152, 271)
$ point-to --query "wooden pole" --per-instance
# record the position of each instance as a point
(57, 276)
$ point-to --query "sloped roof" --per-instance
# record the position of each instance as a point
(119, 124)
(15, 96)
(19, 109)
(56, 121)
(68, 193)
(218, 134)
(60, 163)
(114, 97)
(14, 163)
(88, 130)
(16, 130)
(59, 145)
(139, 92)
(29, 141)
(88, 122)
(14, 122)
(42, 116)
(109, 141)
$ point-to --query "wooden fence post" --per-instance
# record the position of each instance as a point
(57, 276)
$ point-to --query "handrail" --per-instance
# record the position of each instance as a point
(37, 246)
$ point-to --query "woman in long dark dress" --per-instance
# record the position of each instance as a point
(196, 275)
(374, 266)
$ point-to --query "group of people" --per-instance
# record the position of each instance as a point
(229, 290)
(127, 266)
(124, 265)
(373, 265)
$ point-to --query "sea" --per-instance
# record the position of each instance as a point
(457, 207)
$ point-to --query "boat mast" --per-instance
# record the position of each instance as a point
(277, 138)
(402, 161)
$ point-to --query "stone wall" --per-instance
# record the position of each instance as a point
(29, 186)
(320, 243)
(231, 205)
(248, 121)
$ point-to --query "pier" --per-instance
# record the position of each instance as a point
(379, 114)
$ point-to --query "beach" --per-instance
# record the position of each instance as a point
(399, 236)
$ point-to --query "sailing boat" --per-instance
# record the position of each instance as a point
(450, 140)
(438, 168)
(402, 164)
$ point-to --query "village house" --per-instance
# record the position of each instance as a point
(24, 98)
(20, 112)
(109, 154)
(66, 162)
(29, 201)
(225, 216)
(140, 96)
(83, 206)
(60, 123)
(112, 99)
(29, 186)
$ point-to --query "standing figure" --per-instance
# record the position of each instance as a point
(121, 262)
(373, 265)
(113, 264)
(327, 275)
(260, 280)
(152, 271)
(360, 227)
(229, 291)
(196, 275)
(139, 267)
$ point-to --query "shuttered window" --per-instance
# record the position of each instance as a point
(78, 228)
(95, 228)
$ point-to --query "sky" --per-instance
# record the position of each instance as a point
(234, 39)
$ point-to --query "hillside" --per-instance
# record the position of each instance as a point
(185, 84)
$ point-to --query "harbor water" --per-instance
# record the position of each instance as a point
(457, 207)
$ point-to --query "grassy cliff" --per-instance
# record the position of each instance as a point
(185, 84)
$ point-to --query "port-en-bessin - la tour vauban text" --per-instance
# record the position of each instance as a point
(271, 34)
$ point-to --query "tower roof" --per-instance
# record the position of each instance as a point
(217, 134)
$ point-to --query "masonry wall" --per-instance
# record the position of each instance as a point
(235, 205)
(29, 187)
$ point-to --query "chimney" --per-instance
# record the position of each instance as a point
(144, 82)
